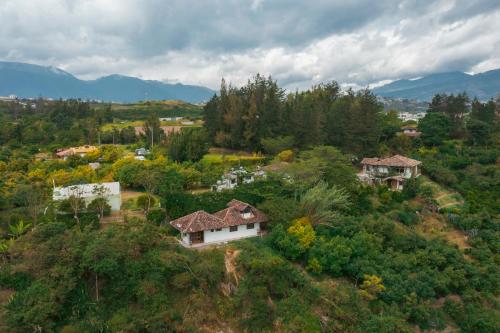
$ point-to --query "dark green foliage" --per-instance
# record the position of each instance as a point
(435, 128)
(260, 116)
(472, 318)
(278, 144)
(479, 131)
(96, 205)
(270, 277)
(157, 216)
(190, 144)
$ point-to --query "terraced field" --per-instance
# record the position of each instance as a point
(444, 198)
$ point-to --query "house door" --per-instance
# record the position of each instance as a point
(196, 237)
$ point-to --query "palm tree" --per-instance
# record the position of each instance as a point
(321, 202)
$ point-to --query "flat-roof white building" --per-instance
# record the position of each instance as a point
(89, 192)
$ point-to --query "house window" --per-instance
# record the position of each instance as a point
(211, 230)
(250, 226)
(233, 228)
(218, 229)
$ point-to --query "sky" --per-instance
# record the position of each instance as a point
(358, 43)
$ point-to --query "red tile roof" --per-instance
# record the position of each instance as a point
(394, 161)
(231, 216)
(197, 221)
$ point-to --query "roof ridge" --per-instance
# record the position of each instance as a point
(191, 220)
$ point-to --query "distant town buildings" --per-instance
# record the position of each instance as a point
(89, 192)
(392, 171)
(407, 116)
(9, 98)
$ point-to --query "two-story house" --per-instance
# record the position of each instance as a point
(392, 171)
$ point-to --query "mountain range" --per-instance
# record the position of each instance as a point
(483, 86)
(27, 80)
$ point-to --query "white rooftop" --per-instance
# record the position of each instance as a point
(85, 190)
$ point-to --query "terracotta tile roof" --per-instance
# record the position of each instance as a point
(76, 150)
(230, 216)
(240, 205)
(394, 161)
(197, 221)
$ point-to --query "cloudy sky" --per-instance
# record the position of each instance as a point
(299, 43)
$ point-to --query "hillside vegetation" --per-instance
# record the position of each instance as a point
(337, 255)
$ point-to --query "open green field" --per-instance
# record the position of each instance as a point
(120, 124)
(233, 159)
(139, 111)
(444, 198)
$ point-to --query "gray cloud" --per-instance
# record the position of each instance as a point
(300, 43)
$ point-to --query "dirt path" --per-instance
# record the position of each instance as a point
(230, 262)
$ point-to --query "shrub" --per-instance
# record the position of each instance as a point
(156, 216)
(143, 200)
(286, 156)
(95, 206)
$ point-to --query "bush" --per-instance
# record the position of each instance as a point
(95, 206)
(407, 217)
(286, 156)
(143, 200)
(157, 216)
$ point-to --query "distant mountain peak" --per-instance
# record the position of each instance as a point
(482, 85)
(28, 80)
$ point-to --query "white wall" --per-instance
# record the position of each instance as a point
(185, 238)
(115, 201)
(226, 235)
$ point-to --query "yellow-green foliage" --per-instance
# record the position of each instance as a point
(231, 158)
(81, 174)
(286, 155)
(303, 230)
(371, 287)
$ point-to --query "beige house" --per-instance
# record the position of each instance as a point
(80, 151)
(392, 171)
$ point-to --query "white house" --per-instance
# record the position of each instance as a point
(81, 151)
(89, 192)
(236, 177)
(140, 154)
(171, 119)
(392, 171)
(407, 116)
(239, 220)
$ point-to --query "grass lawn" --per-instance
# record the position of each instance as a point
(214, 158)
(140, 123)
(445, 198)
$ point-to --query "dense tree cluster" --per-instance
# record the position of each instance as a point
(251, 116)
(450, 117)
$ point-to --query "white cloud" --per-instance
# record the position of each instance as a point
(357, 43)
